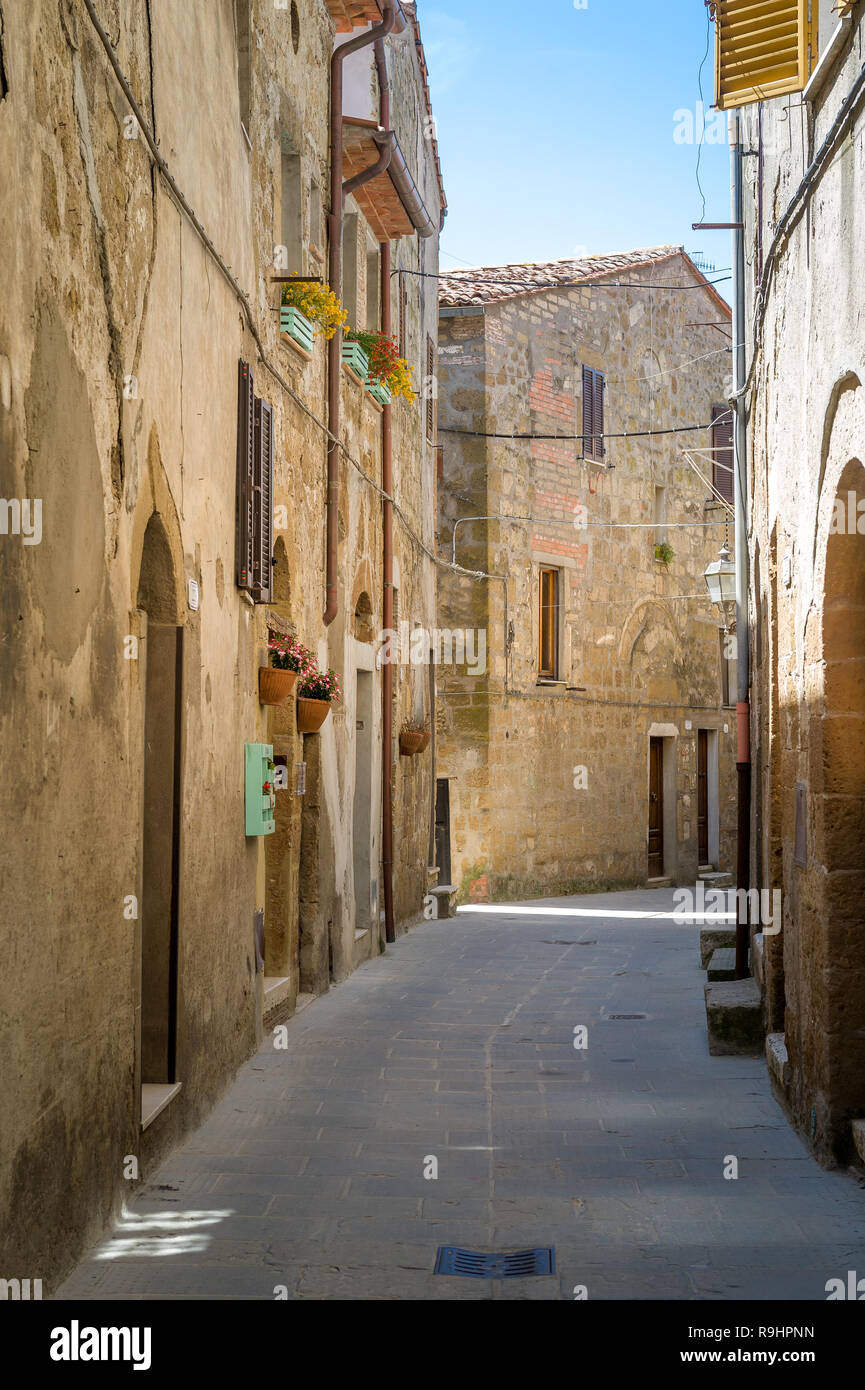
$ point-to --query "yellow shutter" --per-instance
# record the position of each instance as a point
(763, 49)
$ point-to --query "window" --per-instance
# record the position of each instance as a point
(430, 389)
(291, 207)
(403, 316)
(254, 512)
(593, 414)
(373, 288)
(548, 625)
(722, 452)
(763, 50)
(350, 269)
(660, 515)
(315, 216)
(242, 29)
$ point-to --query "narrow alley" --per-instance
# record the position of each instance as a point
(309, 1179)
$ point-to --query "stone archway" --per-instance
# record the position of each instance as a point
(838, 787)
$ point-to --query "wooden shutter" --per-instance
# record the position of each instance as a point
(588, 411)
(598, 415)
(763, 48)
(403, 317)
(722, 452)
(429, 386)
(263, 485)
(245, 528)
(548, 624)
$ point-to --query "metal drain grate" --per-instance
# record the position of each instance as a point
(508, 1264)
(625, 1018)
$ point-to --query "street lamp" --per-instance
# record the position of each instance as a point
(720, 579)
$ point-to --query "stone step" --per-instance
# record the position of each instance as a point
(713, 879)
(859, 1138)
(722, 965)
(734, 1018)
(715, 939)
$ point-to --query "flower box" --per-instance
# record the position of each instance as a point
(311, 714)
(380, 391)
(297, 326)
(354, 357)
(275, 686)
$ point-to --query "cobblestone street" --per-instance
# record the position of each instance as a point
(458, 1045)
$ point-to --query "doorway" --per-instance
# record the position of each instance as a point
(362, 814)
(656, 808)
(443, 829)
(162, 648)
(703, 798)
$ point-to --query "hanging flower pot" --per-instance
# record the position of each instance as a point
(426, 739)
(275, 686)
(316, 689)
(311, 714)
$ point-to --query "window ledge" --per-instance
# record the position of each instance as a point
(550, 681)
(289, 342)
(350, 372)
(154, 1099)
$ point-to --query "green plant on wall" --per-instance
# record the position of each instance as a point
(664, 552)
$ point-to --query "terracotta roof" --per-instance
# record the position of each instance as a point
(488, 284)
(350, 14)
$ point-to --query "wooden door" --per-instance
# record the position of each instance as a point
(703, 795)
(656, 808)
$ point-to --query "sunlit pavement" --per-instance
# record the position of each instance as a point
(458, 1046)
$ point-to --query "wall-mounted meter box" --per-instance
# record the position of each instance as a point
(260, 794)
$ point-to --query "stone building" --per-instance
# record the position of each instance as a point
(593, 746)
(804, 246)
(169, 161)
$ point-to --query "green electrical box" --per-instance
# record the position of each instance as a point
(260, 796)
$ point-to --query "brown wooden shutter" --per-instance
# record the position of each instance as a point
(403, 316)
(245, 527)
(263, 483)
(722, 451)
(598, 415)
(588, 410)
(429, 386)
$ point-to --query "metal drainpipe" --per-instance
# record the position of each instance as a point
(743, 713)
(387, 550)
(334, 347)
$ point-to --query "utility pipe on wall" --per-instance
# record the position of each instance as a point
(740, 478)
(391, 14)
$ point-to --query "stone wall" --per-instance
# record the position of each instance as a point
(806, 427)
(549, 782)
(119, 346)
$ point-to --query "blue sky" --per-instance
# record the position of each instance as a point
(556, 127)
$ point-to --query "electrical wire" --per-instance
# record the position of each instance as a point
(588, 280)
(570, 438)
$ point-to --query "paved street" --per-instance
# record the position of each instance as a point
(458, 1045)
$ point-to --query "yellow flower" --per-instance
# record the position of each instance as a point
(318, 303)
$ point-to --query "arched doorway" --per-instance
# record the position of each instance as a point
(162, 653)
(839, 821)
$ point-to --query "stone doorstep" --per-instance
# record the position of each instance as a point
(715, 939)
(445, 895)
(713, 879)
(722, 965)
(734, 1018)
(777, 1060)
(858, 1130)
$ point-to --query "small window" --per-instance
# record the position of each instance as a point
(722, 452)
(315, 216)
(242, 29)
(291, 209)
(350, 269)
(373, 287)
(548, 625)
(594, 387)
(403, 316)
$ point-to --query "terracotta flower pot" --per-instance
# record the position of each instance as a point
(311, 714)
(410, 743)
(275, 686)
(426, 739)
